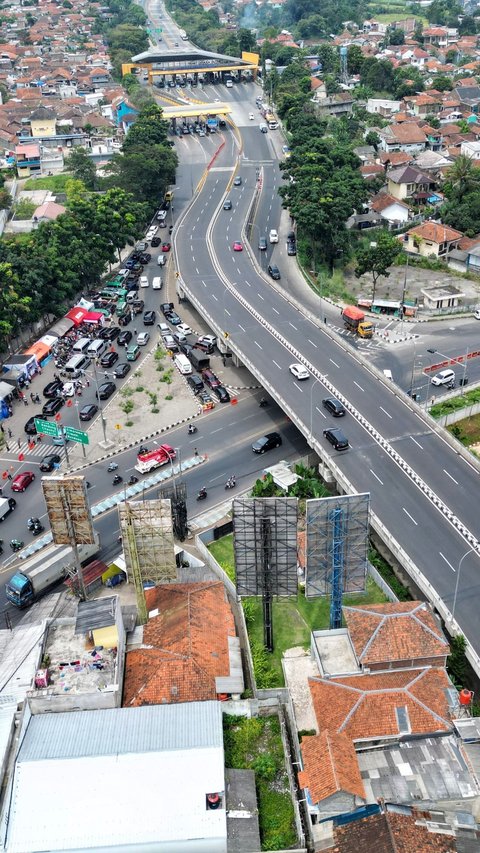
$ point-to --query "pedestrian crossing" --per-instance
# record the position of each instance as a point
(39, 450)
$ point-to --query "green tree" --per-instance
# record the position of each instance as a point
(457, 661)
(444, 13)
(461, 177)
(395, 36)
(82, 167)
(468, 26)
(443, 83)
(128, 38)
(377, 258)
(355, 59)
(14, 307)
(149, 129)
(5, 199)
(372, 138)
(145, 171)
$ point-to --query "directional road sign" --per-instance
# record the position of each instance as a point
(76, 435)
(46, 427)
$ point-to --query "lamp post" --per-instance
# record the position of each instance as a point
(106, 442)
(76, 404)
(455, 361)
(470, 551)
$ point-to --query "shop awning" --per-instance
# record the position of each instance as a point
(77, 315)
(61, 327)
(5, 390)
(39, 349)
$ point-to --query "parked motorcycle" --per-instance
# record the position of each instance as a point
(16, 545)
(32, 522)
(202, 495)
(263, 403)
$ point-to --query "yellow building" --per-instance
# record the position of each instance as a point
(43, 123)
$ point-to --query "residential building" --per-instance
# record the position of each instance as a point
(48, 211)
(383, 106)
(390, 831)
(148, 778)
(188, 650)
(431, 239)
(335, 105)
(422, 105)
(391, 209)
(409, 183)
(331, 775)
(42, 123)
(407, 137)
(28, 159)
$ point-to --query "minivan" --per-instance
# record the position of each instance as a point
(263, 128)
(76, 365)
(81, 345)
(182, 363)
(133, 352)
(444, 377)
(157, 282)
(97, 348)
(336, 437)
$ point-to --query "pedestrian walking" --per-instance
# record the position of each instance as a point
(9, 477)
(37, 398)
(39, 439)
(19, 443)
(8, 448)
(2, 427)
(10, 433)
(10, 413)
(25, 401)
(87, 383)
(32, 396)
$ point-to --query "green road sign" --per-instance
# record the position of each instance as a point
(46, 427)
(76, 435)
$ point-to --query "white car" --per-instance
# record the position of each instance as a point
(299, 371)
(153, 230)
(273, 236)
(209, 339)
(68, 389)
(184, 329)
(143, 339)
(444, 377)
(251, 116)
(123, 271)
(144, 282)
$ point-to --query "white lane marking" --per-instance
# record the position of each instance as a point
(241, 327)
(298, 387)
(215, 297)
(261, 297)
(227, 312)
(293, 327)
(410, 517)
(197, 270)
(276, 364)
(257, 344)
(213, 431)
(358, 386)
(274, 309)
(449, 475)
(447, 562)
(416, 442)
(386, 413)
(335, 363)
(311, 342)
(376, 477)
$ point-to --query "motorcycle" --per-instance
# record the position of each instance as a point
(87, 484)
(142, 449)
(32, 522)
(231, 483)
(37, 529)
(202, 495)
(192, 429)
(16, 545)
(117, 480)
(133, 479)
(112, 467)
(263, 403)
(1, 546)
(451, 385)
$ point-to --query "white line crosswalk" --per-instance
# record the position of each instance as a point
(39, 449)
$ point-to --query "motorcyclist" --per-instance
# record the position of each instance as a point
(202, 493)
(192, 429)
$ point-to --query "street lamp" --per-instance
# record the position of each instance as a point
(470, 551)
(455, 361)
(106, 442)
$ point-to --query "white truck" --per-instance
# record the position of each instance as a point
(40, 572)
(7, 505)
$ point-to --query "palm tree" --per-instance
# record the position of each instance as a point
(463, 175)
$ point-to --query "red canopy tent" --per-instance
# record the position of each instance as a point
(80, 315)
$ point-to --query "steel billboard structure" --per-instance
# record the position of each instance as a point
(337, 547)
(68, 509)
(148, 546)
(265, 546)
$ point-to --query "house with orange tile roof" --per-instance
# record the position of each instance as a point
(330, 775)
(391, 831)
(383, 706)
(406, 137)
(431, 238)
(396, 635)
(188, 650)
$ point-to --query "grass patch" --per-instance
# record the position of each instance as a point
(24, 209)
(55, 183)
(388, 575)
(256, 744)
(222, 551)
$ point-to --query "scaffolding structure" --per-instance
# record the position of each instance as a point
(177, 495)
(265, 547)
(337, 548)
(148, 546)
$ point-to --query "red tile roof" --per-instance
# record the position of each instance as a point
(185, 647)
(394, 632)
(381, 202)
(364, 707)
(330, 766)
(390, 833)
(434, 232)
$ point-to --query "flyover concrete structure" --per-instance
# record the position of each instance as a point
(191, 61)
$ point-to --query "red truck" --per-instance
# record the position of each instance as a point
(154, 458)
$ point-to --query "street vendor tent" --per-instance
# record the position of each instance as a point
(61, 327)
(81, 315)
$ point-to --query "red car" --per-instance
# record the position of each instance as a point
(237, 246)
(21, 481)
(166, 247)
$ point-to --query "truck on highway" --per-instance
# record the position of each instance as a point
(354, 320)
(7, 505)
(40, 572)
(154, 458)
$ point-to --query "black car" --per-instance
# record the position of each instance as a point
(205, 346)
(88, 412)
(267, 442)
(334, 407)
(166, 307)
(109, 359)
(51, 390)
(273, 271)
(156, 241)
(30, 427)
(135, 256)
(109, 334)
(227, 204)
(222, 394)
(262, 244)
(49, 462)
(195, 383)
(186, 349)
(149, 318)
(337, 438)
(52, 407)
(105, 390)
(121, 370)
(291, 249)
(124, 338)
(145, 258)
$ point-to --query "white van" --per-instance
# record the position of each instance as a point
(76, 366)
(229, 84)
(263, 128)
(273, 125)
(157, 282)
(388, 374)
(162, 259)
(182, 363)
(162, 218)
(81, 345)
(97, 348)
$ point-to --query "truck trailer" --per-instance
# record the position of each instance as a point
(354, 320)
(39, 573)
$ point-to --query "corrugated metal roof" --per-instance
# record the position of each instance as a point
(98, 613)
(119, 731)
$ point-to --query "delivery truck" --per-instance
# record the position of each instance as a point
(39, 573)
(354, 320)
(154, 458)
(7, 505)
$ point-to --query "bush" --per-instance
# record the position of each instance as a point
(24, 209)
(265, 675)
